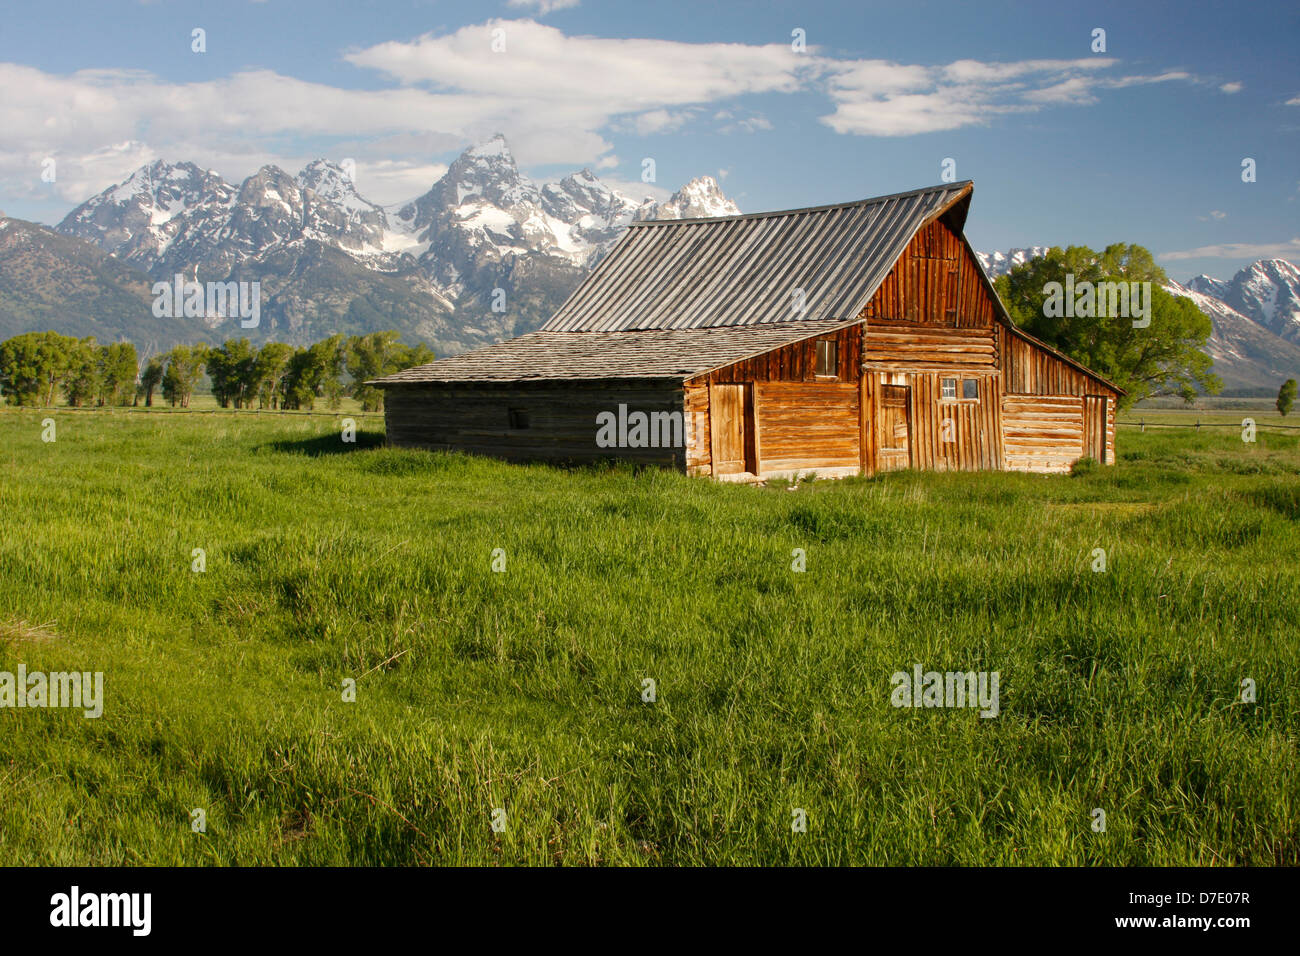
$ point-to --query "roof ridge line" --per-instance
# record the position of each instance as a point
(641, 223)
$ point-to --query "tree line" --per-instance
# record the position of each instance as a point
(42, 368)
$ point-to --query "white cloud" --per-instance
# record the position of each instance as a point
(556, 97)
(1293, 101)
(882, 98)
(585, 73)
(1239, 250)
(1214, 214)
(1234, 87)
(543, 7)
(660, 121)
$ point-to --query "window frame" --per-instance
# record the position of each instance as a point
(833, 352)
(958, 395)
(518, 419)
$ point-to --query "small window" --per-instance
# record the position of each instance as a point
(970, 388)
(518, 418)
(827, 363)
(949, 388)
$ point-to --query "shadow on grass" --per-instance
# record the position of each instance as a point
(330, 444)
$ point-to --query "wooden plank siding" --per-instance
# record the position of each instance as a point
(1030, 370)
(935, 282)
(1042, 433)
(933, 319)
(946, 434)
(895, 347)
(699, 440)
(803, 427)
(561, 418)
(803, 421)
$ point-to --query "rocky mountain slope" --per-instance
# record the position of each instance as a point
(1267, 292)
(52, 281)
(484, 255)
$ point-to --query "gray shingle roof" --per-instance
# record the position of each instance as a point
(742, 270)
(660, 353)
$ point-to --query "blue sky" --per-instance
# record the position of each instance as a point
(1142, 143)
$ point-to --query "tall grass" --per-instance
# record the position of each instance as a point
(522, 690)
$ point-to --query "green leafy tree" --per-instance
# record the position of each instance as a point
(330, 357)
(33, 366)
(83, 382)
(233, 370)
(270, 369)
(151, 378)
(315, 372)
(377, 354)
(118, 363)
(1286, 397)
(185, 364)
(1166, 357)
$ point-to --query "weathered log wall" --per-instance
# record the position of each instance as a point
(561, 419)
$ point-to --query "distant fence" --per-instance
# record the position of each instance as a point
(143, 410)
(1198, 425)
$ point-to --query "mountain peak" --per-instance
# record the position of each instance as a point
(330, 181)
(495, 149)
(1000, 263)
(492, 152)
(701, 198)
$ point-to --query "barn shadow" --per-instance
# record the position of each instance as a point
(328, 444)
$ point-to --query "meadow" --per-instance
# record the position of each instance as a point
(517, 695)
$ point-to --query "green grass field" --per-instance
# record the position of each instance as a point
(522, 691)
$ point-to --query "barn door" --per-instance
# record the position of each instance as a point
(731, 417)
(1094, 427)
(894, 439)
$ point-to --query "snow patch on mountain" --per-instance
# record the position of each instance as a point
(1267, 291)
(482, 228)
(1000, 263)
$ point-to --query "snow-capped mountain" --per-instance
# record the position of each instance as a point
(140, 219)
(1267, 291)
(1000, 263)
(700, 198)
(330, 260)
(1255, 317)
(1246, 355)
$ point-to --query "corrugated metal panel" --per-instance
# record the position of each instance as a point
(563, 356)
(743, 270)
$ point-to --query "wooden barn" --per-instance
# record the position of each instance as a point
(843, 339)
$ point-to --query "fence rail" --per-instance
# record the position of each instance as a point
(1198, 425)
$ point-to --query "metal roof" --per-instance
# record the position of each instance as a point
(566, 356)
(744, 270)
